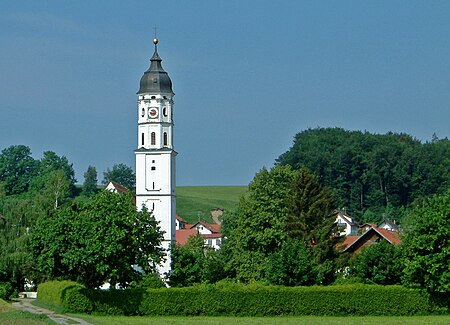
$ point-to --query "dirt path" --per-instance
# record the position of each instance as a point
(26, 305)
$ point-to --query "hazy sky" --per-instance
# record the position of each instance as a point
(248, 76)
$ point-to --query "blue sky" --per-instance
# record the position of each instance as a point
(248, 76)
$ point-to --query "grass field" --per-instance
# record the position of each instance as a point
(194, 203)
(10, 315)
(310, 320)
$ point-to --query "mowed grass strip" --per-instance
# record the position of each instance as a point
(10, 315)
(287, 320)
(194, 203)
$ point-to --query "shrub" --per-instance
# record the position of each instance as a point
(6, 290)
(149, 280)
(53, 292)
(257, 300)
(232, 299)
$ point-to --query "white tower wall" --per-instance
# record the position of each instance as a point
(155, 157)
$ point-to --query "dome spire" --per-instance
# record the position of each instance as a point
(155, 79)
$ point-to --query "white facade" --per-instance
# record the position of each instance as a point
(155, 157)
(346, 224)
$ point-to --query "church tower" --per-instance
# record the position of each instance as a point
(155, 156)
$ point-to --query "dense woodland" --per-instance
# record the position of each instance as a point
(281, 232)
(372, 175)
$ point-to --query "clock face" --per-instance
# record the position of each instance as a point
(152, 112)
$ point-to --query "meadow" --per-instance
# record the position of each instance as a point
(282, 320)
(10, 315)
(194, 203)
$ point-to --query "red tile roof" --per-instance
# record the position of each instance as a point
(119, 188)
(348, 240)
(213, 227)
(183, 235)
(391, 236)
(216, 235)
(181, 219)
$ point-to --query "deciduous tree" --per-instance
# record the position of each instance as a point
(121, 174)
(17, 169)
(97, 241)
(427, 246)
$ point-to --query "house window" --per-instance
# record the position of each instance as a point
(153, 137)
(142, 139)
(209, 242)
(218, 241)
(165, 138)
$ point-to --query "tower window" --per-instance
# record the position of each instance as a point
(153, 185)
(143, 112)
(164, 111)
(165, 138)
(142, 139)
(153, 168)
(153, 138)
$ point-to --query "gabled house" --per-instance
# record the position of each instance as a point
(180, 223)
(116, 188)
(346, 224)
(372, 236)
(389, 225)
(208, 231)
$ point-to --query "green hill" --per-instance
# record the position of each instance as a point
(194, 203)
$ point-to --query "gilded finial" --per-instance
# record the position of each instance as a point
(155, 39)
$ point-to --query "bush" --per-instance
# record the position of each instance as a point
(231, 299)
(53, 292)
(149, 280)
(6, 290)
(257, 300)
(107, 302)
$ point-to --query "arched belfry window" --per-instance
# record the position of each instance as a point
(153, 138)
(142, 139)
(165, 138)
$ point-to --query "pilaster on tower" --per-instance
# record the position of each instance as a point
(155, 154)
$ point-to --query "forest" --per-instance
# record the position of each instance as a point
(373, 176)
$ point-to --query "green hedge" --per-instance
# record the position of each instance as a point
(270, 301)
(53, 292)
(252, 300)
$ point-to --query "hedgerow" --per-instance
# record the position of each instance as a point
(53, 292)
(253, 300)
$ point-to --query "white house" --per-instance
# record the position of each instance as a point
(347, 224)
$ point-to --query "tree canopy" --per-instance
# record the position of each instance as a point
(97, 241)
(17, 169)
(121, 174)
(427, 245)
(368, 172)
(90, 181)
(280, 203)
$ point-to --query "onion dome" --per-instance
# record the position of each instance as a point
(155, 80)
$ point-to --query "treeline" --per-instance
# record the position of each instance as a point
(31, 191)
(371, 174)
